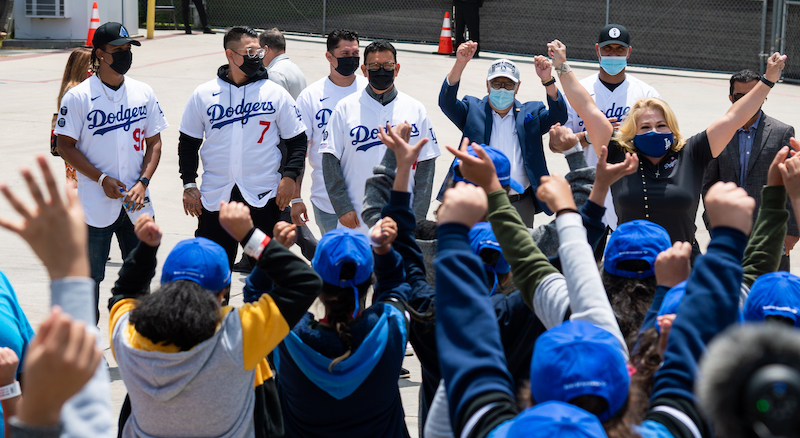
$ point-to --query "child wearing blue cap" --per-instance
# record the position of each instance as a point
(191, 366)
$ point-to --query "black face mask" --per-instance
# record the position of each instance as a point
(347, 65)
(121, 61)
(381, 79)
(251, 66)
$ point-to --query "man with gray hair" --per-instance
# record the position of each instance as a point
(280, 69)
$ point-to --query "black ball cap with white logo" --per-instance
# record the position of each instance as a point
(614, 34)
(114, 34)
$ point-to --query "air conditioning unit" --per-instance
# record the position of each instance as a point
(45, 8)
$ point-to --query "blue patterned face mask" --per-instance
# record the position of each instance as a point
(653, 144)
(613, 65)
(501, 99)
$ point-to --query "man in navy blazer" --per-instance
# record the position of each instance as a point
(501, 121)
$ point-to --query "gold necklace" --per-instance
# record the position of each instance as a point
(103, 85)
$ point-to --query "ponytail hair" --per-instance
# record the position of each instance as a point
(340, 303)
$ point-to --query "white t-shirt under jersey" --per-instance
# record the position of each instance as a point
(316, 104)
(352, 137)
(615, 103)
(110, 128)
(242, 127)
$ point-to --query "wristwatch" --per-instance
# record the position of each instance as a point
(145, 182)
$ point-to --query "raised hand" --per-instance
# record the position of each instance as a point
(235, 219)
(405, 154)
(147, 230)
(60, 360)
(728, 205)
(477, 170)
(775, 64)
(607, 174)
(561, 138)
(54, 229)
(383, 234)
(674, 265)
(558, 52)
(9, 362)
(555, 192)
(285, 233)
(464, 204)
(543, 67)
(466, 51)
(285, 191)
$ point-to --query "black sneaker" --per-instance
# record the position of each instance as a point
(208, 30)
(243, 265)
(188, 31)
(404, 373)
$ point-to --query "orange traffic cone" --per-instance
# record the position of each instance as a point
(446, 38)
(94, 23)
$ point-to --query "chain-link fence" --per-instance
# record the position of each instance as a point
(717, 35)
(791, 40)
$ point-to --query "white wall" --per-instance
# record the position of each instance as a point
(76, 25)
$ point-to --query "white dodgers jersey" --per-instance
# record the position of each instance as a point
(110, 128)
(352, 137)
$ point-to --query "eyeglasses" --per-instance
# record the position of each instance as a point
(378, 65)
(251, 52)
(510, 86)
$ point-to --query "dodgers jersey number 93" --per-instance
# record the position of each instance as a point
(111, 128)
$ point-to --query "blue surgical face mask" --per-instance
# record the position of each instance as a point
(613, 65)
(501, 99)
(653, 144)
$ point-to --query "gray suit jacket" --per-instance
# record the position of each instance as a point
(771, 136)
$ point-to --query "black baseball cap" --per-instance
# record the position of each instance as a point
(112, 33)
(614, 34)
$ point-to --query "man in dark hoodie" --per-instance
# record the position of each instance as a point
(242, 116)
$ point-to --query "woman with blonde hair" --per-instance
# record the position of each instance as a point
(666, 188)
(77, 70)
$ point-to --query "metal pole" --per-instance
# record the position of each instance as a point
(776, 10)
(324, 13)
(151, 18)
(608, 8)
(761, 56)
(783, 28)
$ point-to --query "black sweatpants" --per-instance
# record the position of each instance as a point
(264, 219)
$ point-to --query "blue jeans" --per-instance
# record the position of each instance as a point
(325, 221)
(100, 246)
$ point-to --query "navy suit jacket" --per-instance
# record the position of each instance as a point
(473, 117)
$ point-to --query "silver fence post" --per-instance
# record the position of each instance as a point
(324, 13)
(608, 8)
(763, 55)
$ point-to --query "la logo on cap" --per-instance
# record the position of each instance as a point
(124, 33)
(613, 33)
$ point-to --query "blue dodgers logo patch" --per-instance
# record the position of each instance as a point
(123, 32)
(123, 118)
(220, 116)
(366, 138)
(322, 116)
(63, 111)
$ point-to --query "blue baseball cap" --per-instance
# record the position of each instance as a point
(338, 247)
(482, 237)
(579, 358)
(200, 260)
(501, 165)
(555, 419)
(635, 240)
(774, 294)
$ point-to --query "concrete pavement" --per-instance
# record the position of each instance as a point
(173, 64)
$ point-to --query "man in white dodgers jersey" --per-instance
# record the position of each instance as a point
(614, 91)
(316, 104)
(109, 130)
(350, 146)
(242, 116)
